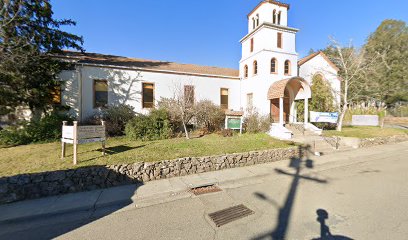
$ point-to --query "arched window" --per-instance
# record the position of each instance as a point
(279, 17)
(257, 20)
(253, 23)
(274, 64)
(287, 67)
(246, 71)
(255, 67)
(274, 17)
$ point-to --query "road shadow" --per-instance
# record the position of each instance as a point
(325, 234)
(55, 225)
(298, 163)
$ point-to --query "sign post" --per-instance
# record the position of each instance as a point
(80, 135)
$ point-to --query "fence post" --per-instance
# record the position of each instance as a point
(64, 123)
(75, 141)
(103, 142)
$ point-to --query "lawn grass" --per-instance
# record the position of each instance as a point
(366, 132)
(46, 157)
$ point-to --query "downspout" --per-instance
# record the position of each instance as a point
(240, 94)
(80, 92)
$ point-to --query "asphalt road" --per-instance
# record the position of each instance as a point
(360, 194)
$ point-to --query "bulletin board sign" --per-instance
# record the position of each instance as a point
(234, 120)
(81, 135)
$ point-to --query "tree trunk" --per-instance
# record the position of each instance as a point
(341, 118)
(185, 130)
(36, 113)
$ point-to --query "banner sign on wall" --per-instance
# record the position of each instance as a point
(324, 117)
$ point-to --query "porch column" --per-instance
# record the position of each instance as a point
(281, 111)
(306, 110)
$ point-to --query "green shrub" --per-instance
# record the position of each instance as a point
(115, 117)
(154, 126)
(209, 116)
(48, 128)
(255, 123)
(14, 135)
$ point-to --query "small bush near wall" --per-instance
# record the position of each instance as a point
(154, 126)
(48, 128)
(116, 118)
(209, 116)
(256, 123)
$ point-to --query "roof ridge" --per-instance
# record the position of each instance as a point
(144, 59)
(313, 55)
(121, 61)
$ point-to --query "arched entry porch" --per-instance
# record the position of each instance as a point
(282, 95)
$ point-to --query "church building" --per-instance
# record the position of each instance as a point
(271, 78)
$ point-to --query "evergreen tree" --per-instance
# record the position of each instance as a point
(388, 83)
(29, 38)
(322, 96)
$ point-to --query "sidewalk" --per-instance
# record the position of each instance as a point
(166, 190)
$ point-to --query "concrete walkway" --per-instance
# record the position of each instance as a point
(133, 196)
(166, 205)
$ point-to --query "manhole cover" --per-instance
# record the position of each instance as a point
(231, 214)
(205, 189)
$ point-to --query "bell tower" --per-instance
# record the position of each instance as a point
(268, 51)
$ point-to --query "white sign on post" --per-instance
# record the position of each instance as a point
(80, 135)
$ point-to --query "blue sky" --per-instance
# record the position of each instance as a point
(208, 32)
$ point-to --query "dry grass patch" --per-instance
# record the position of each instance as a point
(46, 157)
(366, 132)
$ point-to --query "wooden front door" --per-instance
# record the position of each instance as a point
(286, 109)
(275, 110)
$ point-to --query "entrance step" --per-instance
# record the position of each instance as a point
(280, 132)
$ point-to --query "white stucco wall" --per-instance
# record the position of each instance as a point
(266, 38)
(125, 87)
(259, 84)
(317, 65)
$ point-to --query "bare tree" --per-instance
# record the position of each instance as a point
(181, 106)
(354, 68)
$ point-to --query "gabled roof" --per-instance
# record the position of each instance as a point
(281, 4)
(153, 65)
(313, 55)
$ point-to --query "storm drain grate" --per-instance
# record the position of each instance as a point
(231, 214)
(205, 189)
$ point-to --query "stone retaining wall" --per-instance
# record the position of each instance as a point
(29, 186)
(368, 142)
